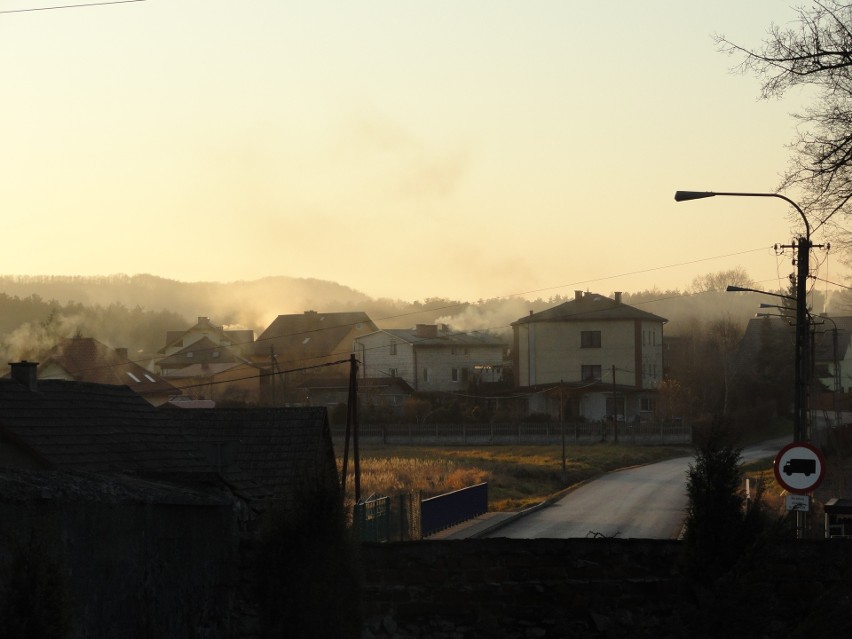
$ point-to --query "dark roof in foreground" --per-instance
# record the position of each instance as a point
(95, 428)
(282, 449)
(590, 306)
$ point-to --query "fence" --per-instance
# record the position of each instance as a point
(396, 518)
(641, 434)
(453, 508)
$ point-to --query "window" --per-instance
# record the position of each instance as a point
(189, 354)
(133, 377)
(425, 374)
(393, 348)
(464, 374)
(590, 339)
(393, 372)
(647, 405)
(455, 374)
(590, 372)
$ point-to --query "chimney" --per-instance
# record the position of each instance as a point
(121, 352)
(578, 295)
(618, 297)
(24, 373)
(426, 330)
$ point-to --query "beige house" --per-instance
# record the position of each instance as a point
(606, 357)
(431, 358)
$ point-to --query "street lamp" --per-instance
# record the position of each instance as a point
(801, 431)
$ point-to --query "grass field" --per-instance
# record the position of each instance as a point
(517, 476)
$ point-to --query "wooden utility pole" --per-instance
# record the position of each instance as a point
(352, 430)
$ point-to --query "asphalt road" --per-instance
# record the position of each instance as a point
(644, 502)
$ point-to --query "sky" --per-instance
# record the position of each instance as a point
(409, 150)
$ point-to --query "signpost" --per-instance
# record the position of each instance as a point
(799, 468)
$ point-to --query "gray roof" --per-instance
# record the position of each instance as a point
(590, 306)
(445, 338)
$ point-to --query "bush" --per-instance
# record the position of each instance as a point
(719, 524)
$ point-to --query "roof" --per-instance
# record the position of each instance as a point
(308, 335)
(87, 360)
(364, 383)
(94, 428)
(25, 486)
(445, 338)
(203, 351)
(591, 306)
(282, 449)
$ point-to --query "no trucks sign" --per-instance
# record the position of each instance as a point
(799, 468)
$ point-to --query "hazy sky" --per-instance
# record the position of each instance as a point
(406, 149)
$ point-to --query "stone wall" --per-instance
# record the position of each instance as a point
(503, 588)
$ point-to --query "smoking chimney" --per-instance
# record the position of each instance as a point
(24, 373)
(426, 330)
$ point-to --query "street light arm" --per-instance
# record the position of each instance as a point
(685, 196)
(742, 289)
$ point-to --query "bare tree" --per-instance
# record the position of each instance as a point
(815, 51)
(720, 280)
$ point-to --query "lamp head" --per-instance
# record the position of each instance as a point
(683, 196)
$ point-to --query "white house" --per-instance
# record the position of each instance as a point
(431, 358)
(603, 356)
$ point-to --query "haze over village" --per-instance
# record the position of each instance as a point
(482, 320)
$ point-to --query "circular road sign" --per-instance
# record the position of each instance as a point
(799, 467)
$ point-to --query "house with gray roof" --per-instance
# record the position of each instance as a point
(431, 358)
(600, 356)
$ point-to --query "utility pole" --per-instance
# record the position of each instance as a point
(803, 356)
(352, 428)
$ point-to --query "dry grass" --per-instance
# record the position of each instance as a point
(517, 476)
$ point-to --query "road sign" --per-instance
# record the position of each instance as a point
(799, 467)
(802, 503)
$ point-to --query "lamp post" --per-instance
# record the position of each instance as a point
(801, 431)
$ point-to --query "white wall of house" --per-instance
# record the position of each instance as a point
(384, 355)
(432, 368)
(550, 352)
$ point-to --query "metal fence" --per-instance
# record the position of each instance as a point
(453, 508)
(395, 518)
(639, 434)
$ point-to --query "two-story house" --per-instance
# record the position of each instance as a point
(606, 357)
(431, 358)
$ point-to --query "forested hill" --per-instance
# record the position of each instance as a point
(136, 311)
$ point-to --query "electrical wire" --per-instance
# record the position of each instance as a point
(70, 6)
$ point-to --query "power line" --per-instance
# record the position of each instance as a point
(71, 6)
